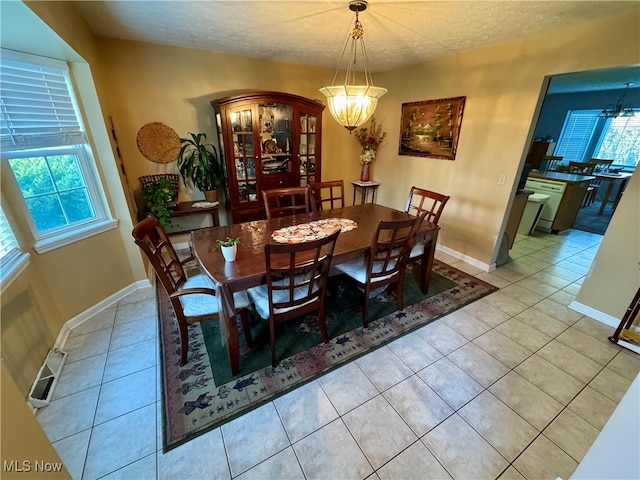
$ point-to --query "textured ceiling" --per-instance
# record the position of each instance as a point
(397, 33)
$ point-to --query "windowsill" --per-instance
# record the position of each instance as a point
(57, 241)
(12, 269)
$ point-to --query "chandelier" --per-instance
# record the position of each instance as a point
(353, 103)
(619, 109)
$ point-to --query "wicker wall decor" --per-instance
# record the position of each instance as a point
(158, 142)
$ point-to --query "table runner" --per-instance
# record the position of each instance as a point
(306, 232)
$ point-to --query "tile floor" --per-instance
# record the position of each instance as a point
(515, 385)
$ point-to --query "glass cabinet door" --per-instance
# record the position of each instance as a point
(276, 139)
(307, 147)
(244, 154)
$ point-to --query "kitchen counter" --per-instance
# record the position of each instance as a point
(561, 177)
(565, 197)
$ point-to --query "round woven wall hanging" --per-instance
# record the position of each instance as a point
(158, 142)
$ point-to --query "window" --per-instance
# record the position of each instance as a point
(621, 141)
(586, 135)
(12, 260)
(576, 134)
(44, 144)
(54, 187)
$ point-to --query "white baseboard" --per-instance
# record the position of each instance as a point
(97, 308)
(182, 246)
(465, 258)
(595, 314)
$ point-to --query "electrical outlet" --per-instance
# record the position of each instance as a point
(502, 179)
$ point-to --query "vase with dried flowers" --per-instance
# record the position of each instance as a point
(370, 140)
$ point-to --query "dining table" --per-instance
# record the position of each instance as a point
(249, 268)
(611, 179)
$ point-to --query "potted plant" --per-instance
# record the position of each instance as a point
(229, 247)
(198, 163)
(158, 197)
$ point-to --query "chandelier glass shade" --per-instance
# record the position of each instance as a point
(619, 109)
(352, 103)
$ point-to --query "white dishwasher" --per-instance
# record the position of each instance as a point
(555, 191)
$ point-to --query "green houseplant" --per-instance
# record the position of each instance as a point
(229, 248)
(198, 163)
(158, 196)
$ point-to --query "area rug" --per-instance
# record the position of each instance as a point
(203, 395)
(589, 220)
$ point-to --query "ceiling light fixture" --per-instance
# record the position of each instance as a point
(619, 109)
(352, 104)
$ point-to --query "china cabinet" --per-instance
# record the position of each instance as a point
(268, 140)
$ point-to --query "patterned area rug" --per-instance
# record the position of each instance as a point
(203, 395)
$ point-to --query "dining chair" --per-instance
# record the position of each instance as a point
(330, 193)
(280, 202)
(585, 168)
(297, 276)
(384, 264)
(580, 168)
(598, 166)
(193, 298)
(550, 163)
(433, 203)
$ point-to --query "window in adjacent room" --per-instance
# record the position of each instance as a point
(45, 145)
(586, 135)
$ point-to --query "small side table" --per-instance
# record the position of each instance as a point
(184, 209)
(365, 188)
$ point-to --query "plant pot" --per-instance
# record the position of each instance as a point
(211, 196)
(229, 253)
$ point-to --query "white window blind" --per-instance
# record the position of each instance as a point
(576, 134)
(37, 105)
(9, 248)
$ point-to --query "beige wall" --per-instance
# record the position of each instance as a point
(502, 85)
(614, 277)
(153, 83)
(22, 438)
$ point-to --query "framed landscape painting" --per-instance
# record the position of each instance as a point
(431, 128)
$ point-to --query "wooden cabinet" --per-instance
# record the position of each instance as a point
(569, 206)
(268, 140)
(537, 151)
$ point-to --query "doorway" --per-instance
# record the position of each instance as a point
(570, 125)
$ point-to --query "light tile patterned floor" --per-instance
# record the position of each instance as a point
(515, 385)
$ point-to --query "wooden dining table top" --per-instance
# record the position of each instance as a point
(249, 267)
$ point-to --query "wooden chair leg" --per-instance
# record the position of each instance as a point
(322, 320)
(365, 310)
(246, 327)
(426, 265)
(399, 294)
(272, 328)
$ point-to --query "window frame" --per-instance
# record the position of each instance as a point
(15, 261)
(67, 234)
